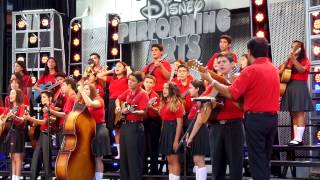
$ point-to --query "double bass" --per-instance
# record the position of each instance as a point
(75, 160)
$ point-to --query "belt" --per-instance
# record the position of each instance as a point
(262, 113)
(131, 121)
(225, 122)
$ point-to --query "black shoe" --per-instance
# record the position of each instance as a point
(295, 143)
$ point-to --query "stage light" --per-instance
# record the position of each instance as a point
(316, 31)
(20, 58)
(114, 51)
(21, 24)
(115, 36)
(76, 57)
(45, 22)
(259, 17)
(76, 73)
(33, 39)
(115, 22)
(260, 34)
(76, 42)
(318, 135)
(76, 27)
(44, 58)
(258, 2)
(315, 14)
(316, 50)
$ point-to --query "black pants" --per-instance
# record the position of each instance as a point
(41, 154)
(131, 151)
(260, 132)
(226, 146)
(152, 128)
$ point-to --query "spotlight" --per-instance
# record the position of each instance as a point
(45, 22)
(76, 42)
(33, 39)
(114, 51)
(316, 31)
(44, 59)
(115, 22)
(260, 34)
(316, 50)
(76, 27)
(76, 57)
(318, 135)
(20, 58)
(21, 24)
(115, 36)
(315, 14)
(259, 17)
(76, 73)
(258, 2)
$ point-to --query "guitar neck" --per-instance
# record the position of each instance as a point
(219, 78)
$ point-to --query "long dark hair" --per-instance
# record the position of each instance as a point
(200, 85)
(46, 68)
(23, 65)
(19, 97)
(301, 55)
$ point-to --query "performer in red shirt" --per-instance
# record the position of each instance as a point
(101, 142)
(19, 67)
(68, 87)
(159, 68)
(259, 86)
(16, 84)
(152, 126)
(118, 83)
(49, 74)
(244, 61)
(16, 135)
(225, 48)
(42, 150)
(227, 132)
(297, 99)
(200, 146)
(171, 113)
(132, 130)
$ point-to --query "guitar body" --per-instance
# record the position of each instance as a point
(286, 75)
(117, 116)
(283, 87)
(75, 160)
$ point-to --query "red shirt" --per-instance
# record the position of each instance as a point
(151, 113)
(230, 111)
(139, 98)
(214, 57)
(2, 109)
(45, 118)
(158, 74)
(167, 115)
(193, 111)
(184, 92)
(44, 79)
(117, 86)
(302, 76)
(27, 83)
(20, 112)
(100, 90)
(67, 108)
(259, 85)
(98, 114)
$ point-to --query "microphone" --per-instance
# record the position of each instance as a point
(203, 99)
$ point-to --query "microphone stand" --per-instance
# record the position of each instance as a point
(49, 140)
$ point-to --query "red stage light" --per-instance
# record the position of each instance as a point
(259, 17)
(260, 34)
(258, 2)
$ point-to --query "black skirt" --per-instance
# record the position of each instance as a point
(297, 97)
(101, 142)
(111, 114)
(17, 140)
(167, 136)
(200, 143)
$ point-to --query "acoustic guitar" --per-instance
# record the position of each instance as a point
(6, 123)
(285, 71)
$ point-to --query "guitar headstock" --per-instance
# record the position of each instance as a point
(196, 65)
